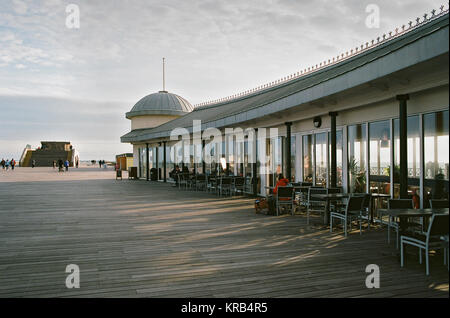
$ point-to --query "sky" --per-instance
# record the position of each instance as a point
(76, 84)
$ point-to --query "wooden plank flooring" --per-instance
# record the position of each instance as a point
(147, 239)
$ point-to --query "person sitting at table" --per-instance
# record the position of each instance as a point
(271, 199)
(282, 182)
(174, 174)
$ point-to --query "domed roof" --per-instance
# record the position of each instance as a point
(161, 103)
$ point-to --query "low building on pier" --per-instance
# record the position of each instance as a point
(373, 119)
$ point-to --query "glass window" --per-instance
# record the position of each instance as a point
(307, 158)
(321, 159)
(170, 164)
(198, 158)
(150, 158)
(142, 162)
(436, 155)
(380, 154)
(293, 153)
(278, 166)
(338, 157)
(413, 156)
(357, 158)
(248, 158)
(269, 163)
(239, 151)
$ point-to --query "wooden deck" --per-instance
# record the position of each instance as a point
(146, 239)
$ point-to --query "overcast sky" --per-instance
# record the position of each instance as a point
(75, 85)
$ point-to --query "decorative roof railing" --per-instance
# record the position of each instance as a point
(426, 18)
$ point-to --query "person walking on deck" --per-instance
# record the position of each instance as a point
(60, 165)
(3, 163)
(12, 163)
(66, 165)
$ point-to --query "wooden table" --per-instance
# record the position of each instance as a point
(328, 198)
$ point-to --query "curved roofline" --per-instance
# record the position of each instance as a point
(160, 103)
(380, 60)
(340, 58)
(150, 112)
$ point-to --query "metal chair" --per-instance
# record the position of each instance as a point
(200, 182)
(238, 185)
(211, 185)
(183, 180)
(315, 204)
(285, 197)
(432, 240)
(352, 211)
(225, 185)
(439, 204)
(365, 212)
(397, 204)
(335, 205)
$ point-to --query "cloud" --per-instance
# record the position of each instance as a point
(20, 7)
(213, 48)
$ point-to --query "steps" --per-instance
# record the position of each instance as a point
(44, 158)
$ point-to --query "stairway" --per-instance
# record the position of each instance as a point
(44, 158)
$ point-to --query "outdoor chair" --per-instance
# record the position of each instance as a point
(200, 182)
(248, 187)
(183, 180)
(335, 205)
(439, 204)
(225, 186)
(315, 204)
(365, 212)
(392, 223)
(285, 197)
(352, 211)
(211, 185)
(301, 195)
(435, 238)
(238, 185)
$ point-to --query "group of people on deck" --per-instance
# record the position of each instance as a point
(62, 165)
(6, 164)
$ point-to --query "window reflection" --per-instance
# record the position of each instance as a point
(380, 154)
(307, 158)
(413, 143)
(293, 152)
(321, 159)
(338, 157)
(356, 158)
(436, 155)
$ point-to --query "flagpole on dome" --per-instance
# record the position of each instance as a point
(164, 74)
